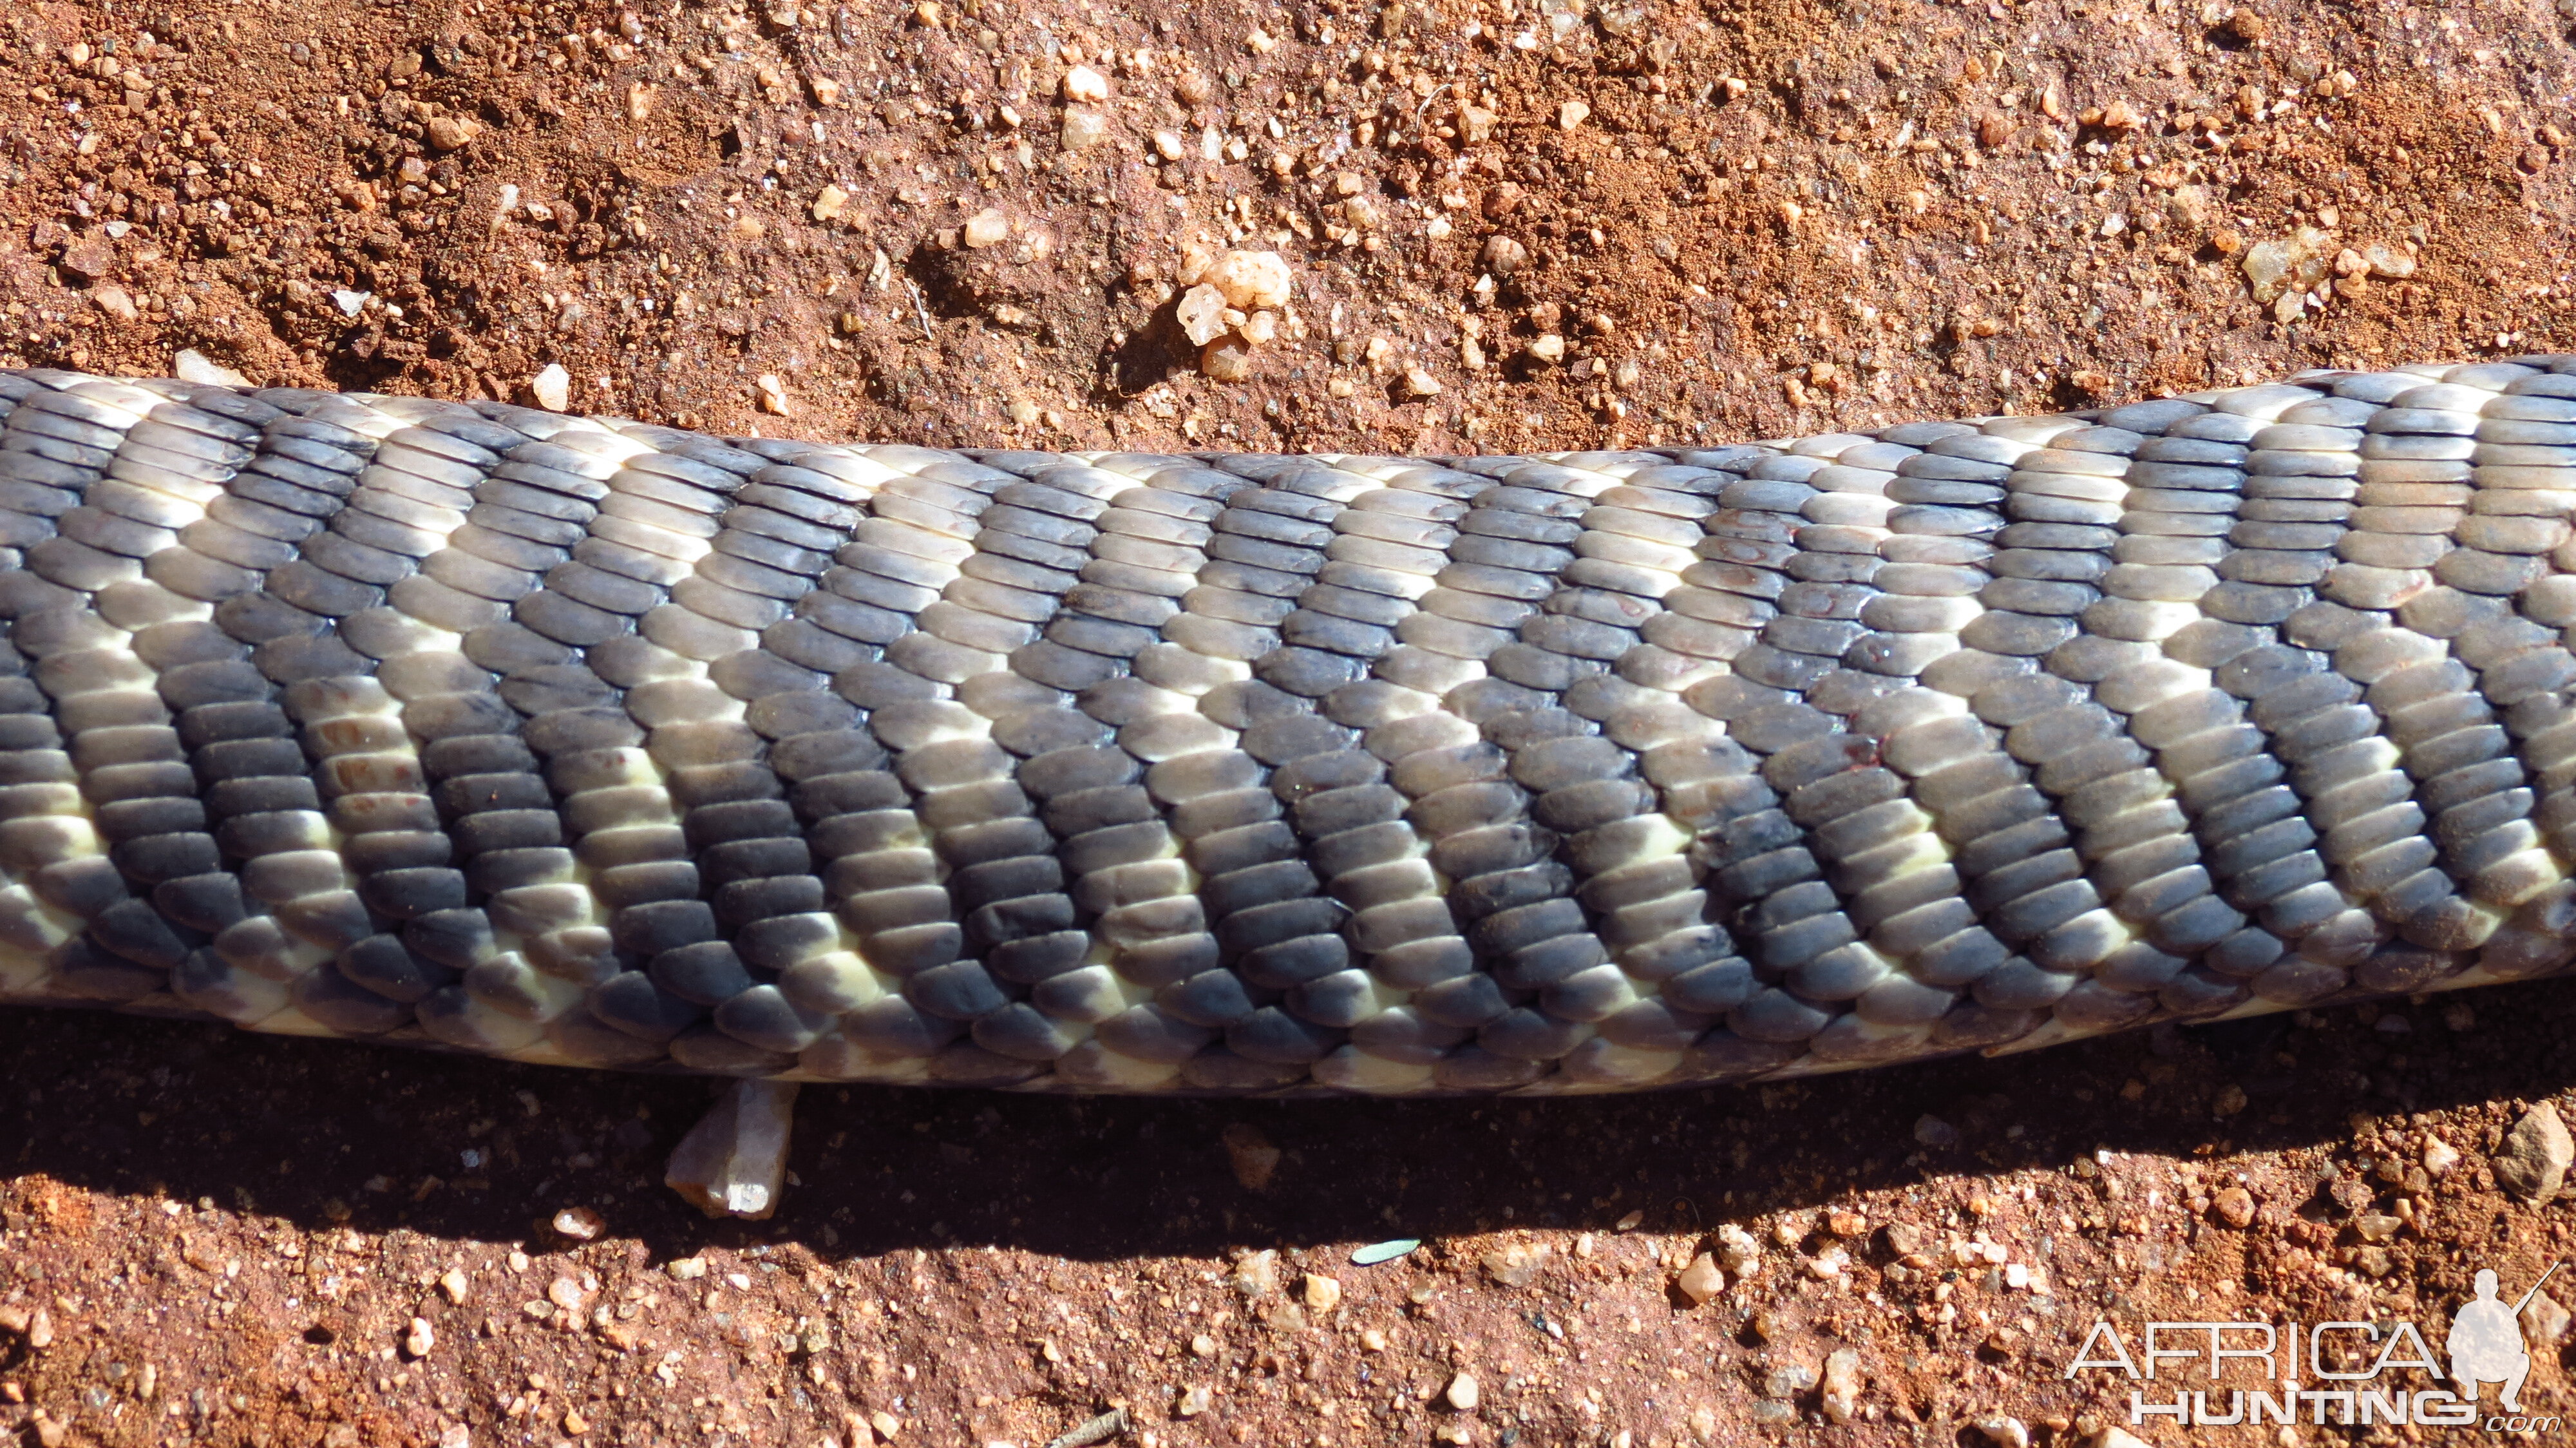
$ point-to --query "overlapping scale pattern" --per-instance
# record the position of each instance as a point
(584, 741)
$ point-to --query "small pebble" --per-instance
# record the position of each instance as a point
(1201, 313)
(1421, 383)
(2005, 1432)
(2233, 1207)
(1082, 83)
(1249, 1152)
(1572, 114)
(420, 1339)
(92, 256)
(2439, 1157)
(829, 203)
(773, 394)
(1515, 1264)
(1083, 128)
(455, 1284)
(987, 227)
(191, 365)
(452, 133)
(1250, 279)
(2544, 1321)
(1323, 1293)
(1843, 1383)
(1789, 1381)
(1737, 1251)
(552, 387)
(1194, 1401)
(581, 1224)
(1702, 1279)
(2533, 1162)
(1463, 1394)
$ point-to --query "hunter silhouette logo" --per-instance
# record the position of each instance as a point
(2486, 1341)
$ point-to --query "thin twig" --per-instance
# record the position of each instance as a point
(920, 307)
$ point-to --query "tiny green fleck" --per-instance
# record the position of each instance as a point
(1376, 1252)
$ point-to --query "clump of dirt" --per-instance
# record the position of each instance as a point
(1512, 225)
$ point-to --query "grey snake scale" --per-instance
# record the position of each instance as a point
(583, 741)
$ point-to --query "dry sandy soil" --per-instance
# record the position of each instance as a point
(1764, 217)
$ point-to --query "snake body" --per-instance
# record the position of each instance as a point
(583, 741)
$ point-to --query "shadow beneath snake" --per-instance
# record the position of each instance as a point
(323, 1133)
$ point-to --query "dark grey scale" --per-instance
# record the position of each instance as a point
(1650, 908)
(240, 744)
(572, 659)
(2494, 603)
(2516, 510)
(241, 689)
(2315, 722)
(410, 863)
(1019, 925)
(58, 446)
(926, 847)
(1262, 928)
(42, 791)
(2259, 855)
(372, 789)
(1757, 852)
(2405, 665)
(768, 889)
(1462, 804)
(118, 753)
(2148, 866)
(1619, 855)
(1382, 554)
(2521, 670)
(525, 519)
(2025, 870)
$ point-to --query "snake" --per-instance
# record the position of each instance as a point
(590, 742)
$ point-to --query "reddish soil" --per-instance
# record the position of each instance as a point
(1776, 218)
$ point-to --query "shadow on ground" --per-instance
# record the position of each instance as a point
(323, 1132)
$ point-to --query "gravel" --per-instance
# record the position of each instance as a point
(940, 1237)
